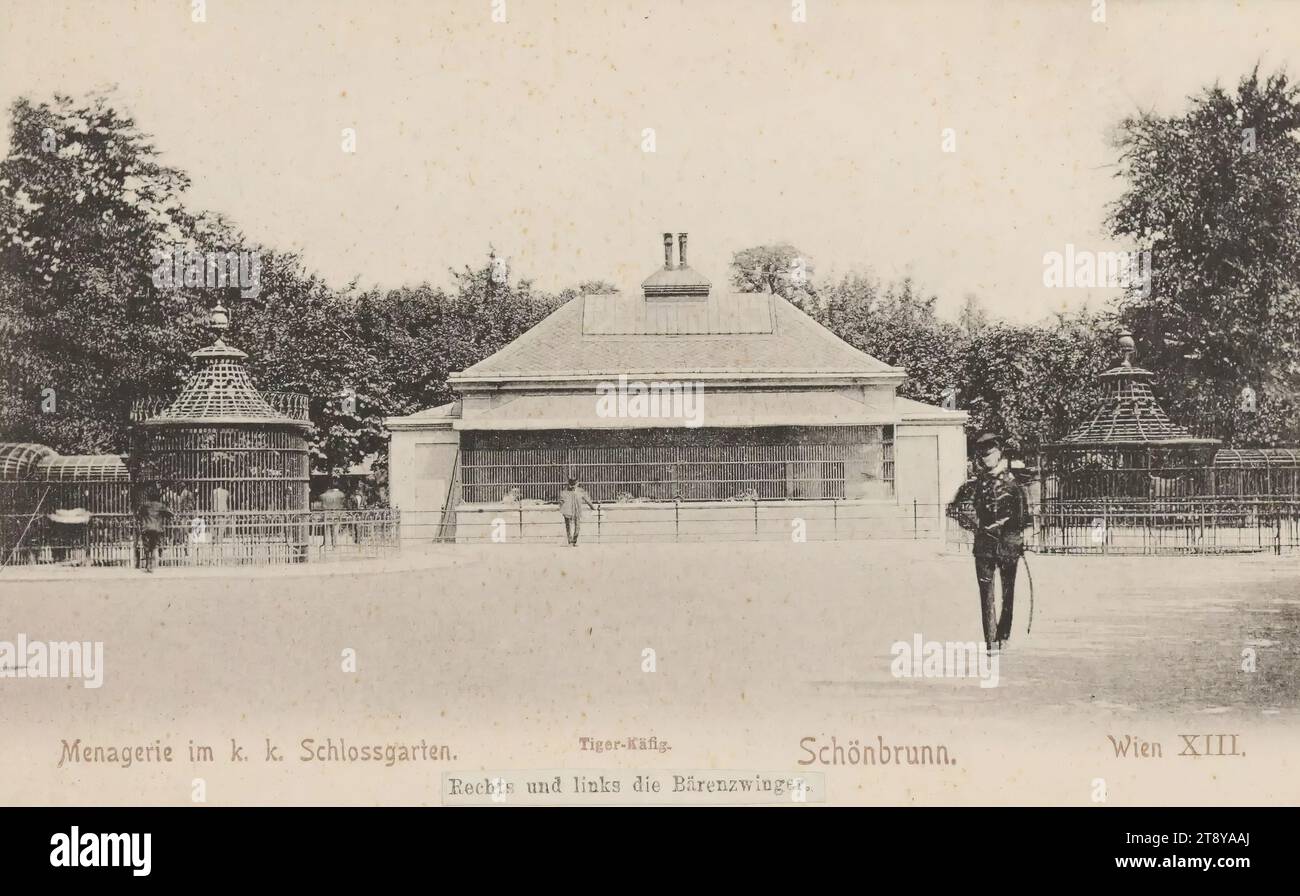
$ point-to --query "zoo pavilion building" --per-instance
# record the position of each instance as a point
(686, 414)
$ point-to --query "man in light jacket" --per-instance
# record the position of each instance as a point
(572, 497)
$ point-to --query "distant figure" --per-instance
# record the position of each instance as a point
(220, 507)
(220, 500)
(512, 496)
(152, 516)
(185, 509)
(333, 500)
(357, 502)
(572, 497)
(317, 527)
(995, 506)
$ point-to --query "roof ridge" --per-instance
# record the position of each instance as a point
(823, 331)
(532, 334)
(558, 345)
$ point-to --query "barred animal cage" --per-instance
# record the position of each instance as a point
(36, 483)
(225, 468)
(1257, 472)
(767, 463)
(1129, 449)
(220, 446)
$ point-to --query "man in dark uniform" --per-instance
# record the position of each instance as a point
(995, 506)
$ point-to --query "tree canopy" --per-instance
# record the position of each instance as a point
(1213, 194)
(86, 205)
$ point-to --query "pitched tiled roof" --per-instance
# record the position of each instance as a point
(723, 315)
(558, 346)
(1130, 414)
(220, 391)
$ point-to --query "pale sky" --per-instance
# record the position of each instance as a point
(528, 134)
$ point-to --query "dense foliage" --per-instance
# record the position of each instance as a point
(86, 202)
(1214, 195)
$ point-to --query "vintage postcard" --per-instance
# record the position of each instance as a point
(653, 402)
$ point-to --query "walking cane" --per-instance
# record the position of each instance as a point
(31, 519)
(1025, 560)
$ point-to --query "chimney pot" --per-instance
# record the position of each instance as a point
(681, 250)
(668, 251)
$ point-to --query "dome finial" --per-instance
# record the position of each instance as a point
(218, 321)
(1127, 347)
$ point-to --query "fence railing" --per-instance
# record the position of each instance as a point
(1174, 526)
(1204, 525)
(1183, 526)
(806, 520)
(250, 538)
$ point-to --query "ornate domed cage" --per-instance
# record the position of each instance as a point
(1129, 448)
(230, 463)
(1129, 480)
(221, 446)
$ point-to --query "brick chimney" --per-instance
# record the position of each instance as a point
(675, 281)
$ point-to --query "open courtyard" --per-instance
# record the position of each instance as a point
(737, 657)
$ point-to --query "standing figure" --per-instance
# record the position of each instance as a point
(333, 501)
(995, 506)
(221, 521)
(152, 515)
(572, 497)
(357, 503)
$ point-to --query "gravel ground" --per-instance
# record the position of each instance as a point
(763, 653)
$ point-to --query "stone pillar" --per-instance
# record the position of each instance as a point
(422, 475)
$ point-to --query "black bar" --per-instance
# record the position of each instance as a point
(946, 846)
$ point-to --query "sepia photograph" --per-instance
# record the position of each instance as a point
(651, 403)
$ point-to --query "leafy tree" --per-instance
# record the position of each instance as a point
(83, 201)
(588, 288)
(974, 316)
(85, 205)
(779, 269)
(419, 336)
(1034, 383)
(897, 324)
(1214, 195)
(1030, 383)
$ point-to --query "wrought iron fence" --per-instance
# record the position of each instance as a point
(684, 521)
(1202, 525)
(250, 538)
